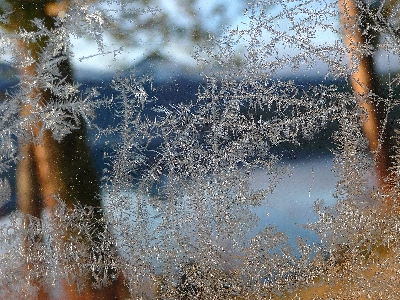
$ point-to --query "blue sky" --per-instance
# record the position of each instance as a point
(178, 51)
(181, 52)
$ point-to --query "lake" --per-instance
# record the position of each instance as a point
(291, 203)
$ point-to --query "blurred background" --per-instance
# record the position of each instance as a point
(165, 39)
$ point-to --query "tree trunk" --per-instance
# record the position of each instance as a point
(50, 168)
(365, 85)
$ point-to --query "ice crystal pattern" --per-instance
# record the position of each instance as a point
(177, 195)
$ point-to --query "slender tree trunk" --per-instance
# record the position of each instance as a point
(365, 85)
(51, 168)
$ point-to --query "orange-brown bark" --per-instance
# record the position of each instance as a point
(50, 168)
(365, 86)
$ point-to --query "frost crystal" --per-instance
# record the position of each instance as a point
(173, 215)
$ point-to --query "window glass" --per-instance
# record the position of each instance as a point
(194, 150)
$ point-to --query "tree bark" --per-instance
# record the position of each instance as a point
(365, 85)
(50, 168)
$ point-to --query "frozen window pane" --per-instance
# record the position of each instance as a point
(272, 174)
